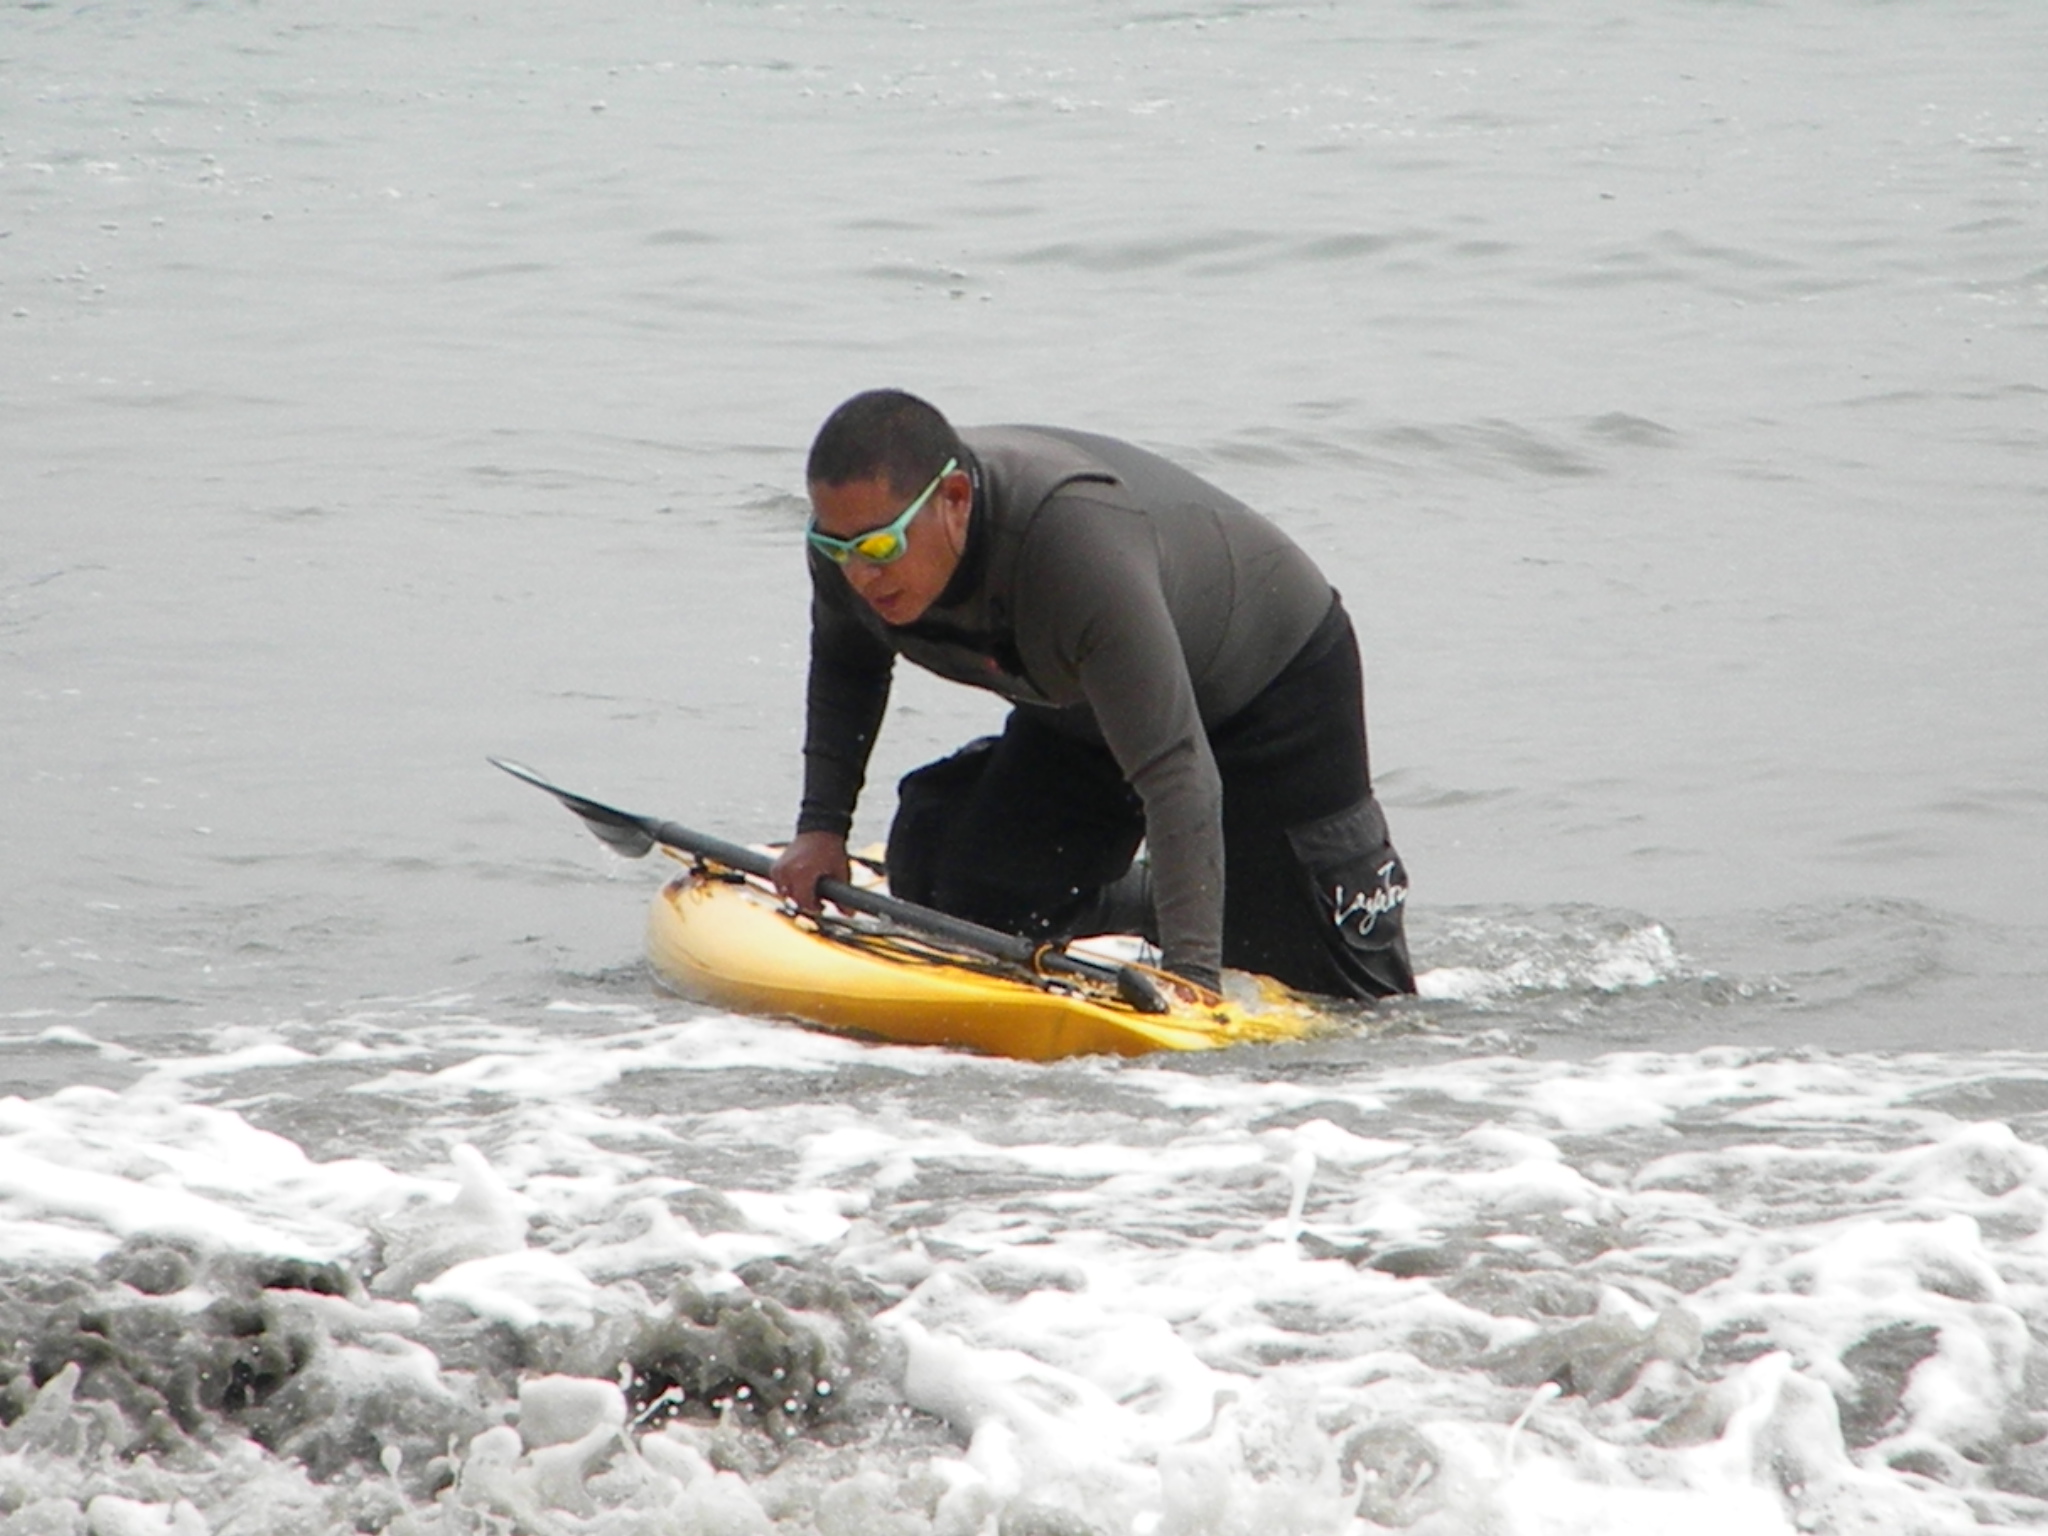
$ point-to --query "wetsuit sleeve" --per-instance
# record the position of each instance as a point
(1099, 604)
(843, 704)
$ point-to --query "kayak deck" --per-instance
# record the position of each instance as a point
(725, 940)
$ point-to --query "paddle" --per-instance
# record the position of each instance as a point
(634, 836)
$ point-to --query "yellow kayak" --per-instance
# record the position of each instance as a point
(722, 939)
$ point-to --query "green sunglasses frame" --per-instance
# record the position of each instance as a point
(839, 551)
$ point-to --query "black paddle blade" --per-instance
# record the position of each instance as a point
(620, 831)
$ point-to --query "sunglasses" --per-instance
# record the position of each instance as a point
(878, 546)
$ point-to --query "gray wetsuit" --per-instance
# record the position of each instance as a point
(1109, 593)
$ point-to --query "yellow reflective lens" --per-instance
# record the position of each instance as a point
(881, 547)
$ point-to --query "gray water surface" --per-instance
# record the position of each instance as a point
(1665, 387)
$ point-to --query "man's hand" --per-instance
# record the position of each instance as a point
(809, 858)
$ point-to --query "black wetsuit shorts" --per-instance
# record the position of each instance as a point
(1023, 831)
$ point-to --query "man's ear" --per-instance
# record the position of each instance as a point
(955, 497)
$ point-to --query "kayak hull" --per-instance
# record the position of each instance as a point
(726, 941)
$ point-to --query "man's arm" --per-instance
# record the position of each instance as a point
(845, 697)
(1095, 585)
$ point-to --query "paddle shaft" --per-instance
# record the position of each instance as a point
(908, 914)
(608, 823)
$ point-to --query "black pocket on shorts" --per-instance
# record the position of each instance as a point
(1359, 879)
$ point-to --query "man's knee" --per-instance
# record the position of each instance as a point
(1031, 912)
(928, 804)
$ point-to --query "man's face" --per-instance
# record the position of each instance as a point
(903, 589)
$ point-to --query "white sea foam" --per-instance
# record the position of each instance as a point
(1280, 1305)
(116, 1165)
(1520, 959)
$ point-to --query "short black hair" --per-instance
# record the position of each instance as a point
(885, 433)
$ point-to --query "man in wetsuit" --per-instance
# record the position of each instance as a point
(1181, 674)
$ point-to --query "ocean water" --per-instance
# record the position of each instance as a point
(381, 386)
